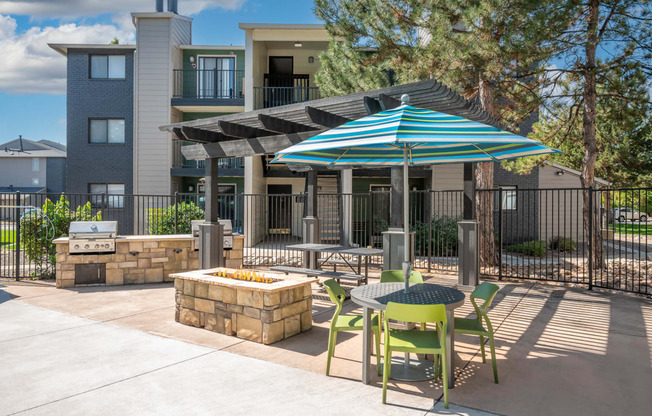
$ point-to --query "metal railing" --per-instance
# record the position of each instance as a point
(266, 97)
(208, 83)
(538, 234)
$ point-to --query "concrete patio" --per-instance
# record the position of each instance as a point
(118, 350)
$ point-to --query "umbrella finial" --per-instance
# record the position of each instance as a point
(405, 99)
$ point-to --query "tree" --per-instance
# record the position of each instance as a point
(620, 32)
(488, 50)
(115, 41)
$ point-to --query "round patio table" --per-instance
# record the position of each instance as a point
(376, 296)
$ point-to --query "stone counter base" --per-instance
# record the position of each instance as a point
(259, 316)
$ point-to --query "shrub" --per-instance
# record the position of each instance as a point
(441, 233)
(39, 228)
(529, 248)
(562, 244)
(161, 221)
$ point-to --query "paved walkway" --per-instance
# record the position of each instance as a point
(53, 363)
(117, 350)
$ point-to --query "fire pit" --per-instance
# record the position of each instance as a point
(255, 305)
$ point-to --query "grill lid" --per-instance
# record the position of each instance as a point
(93, 229)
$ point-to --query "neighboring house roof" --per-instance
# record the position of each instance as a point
(26, 189)
(43, 148)
(576, 172)
(62, 48)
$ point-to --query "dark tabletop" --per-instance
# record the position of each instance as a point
(377, 296)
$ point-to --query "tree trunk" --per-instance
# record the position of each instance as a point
(591, 217)
(484, 177)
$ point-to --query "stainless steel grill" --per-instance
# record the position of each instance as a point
(92, 236)
(228, 233)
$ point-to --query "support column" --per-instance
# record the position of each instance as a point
(347, 206)
(467, 234)
(393, 239)
(211, 233)
(311, 230)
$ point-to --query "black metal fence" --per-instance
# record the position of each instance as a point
(538, 233)
(542, 234)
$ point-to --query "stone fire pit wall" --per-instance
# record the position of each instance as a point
(264, 313)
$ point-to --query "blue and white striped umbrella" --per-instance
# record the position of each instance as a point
(429, 136)
(409, 136)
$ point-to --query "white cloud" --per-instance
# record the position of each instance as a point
(89, 8)
(31, 67)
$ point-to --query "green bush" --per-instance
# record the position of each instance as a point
(161, 221)
(562, 244)
(39, 228)
(529, 248)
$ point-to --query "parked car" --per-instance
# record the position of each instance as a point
(629, 214)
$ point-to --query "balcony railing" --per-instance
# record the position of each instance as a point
(208, 83)
(179, 162)
(266, 97)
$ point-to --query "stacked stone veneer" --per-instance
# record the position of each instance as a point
(137, 260)
(254, 314)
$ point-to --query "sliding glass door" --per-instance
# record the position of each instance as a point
(216, 77)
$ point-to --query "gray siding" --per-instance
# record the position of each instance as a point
(17, 172)
(92, 98)
(56, 175)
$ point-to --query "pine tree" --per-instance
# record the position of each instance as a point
(488, 50)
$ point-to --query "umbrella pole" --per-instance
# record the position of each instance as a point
(406, 222)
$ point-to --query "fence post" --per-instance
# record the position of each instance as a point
(176, 212)
(17, 236)
(590, 237)
(500, 233)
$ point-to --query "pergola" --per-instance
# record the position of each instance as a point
(266, 131)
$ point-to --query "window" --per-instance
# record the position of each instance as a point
(509, 197)
(35, 167)
(114, 194)
(107, 131)
(107, 66)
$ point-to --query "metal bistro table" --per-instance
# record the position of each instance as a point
(333, 249)
(376, 297)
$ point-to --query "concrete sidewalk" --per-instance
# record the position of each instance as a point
(53, 363)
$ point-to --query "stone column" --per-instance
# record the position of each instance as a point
(467, 234)
(311, 230)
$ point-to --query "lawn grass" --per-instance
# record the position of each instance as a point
(7, 237)
(633, 228)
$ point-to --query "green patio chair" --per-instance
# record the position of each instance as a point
(486, 292)
(347, 322)
(417, 342)
(396, 276)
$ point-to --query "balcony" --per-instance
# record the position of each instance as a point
(284, 89)
(228, 166)
(207, 87)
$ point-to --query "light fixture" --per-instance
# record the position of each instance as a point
(192, 59)
(311, 59)
(298, 44)
(559, 172)
(191, 188)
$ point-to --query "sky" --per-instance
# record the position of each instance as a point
(33, 76)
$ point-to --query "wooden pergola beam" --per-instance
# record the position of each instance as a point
(246, 147)
(388, 101)
(193, 134)
(280, 125)
(324, 118)
(242, 131)
(372, 105)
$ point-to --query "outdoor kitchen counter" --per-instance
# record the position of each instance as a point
(256, 311)
(135, 238)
